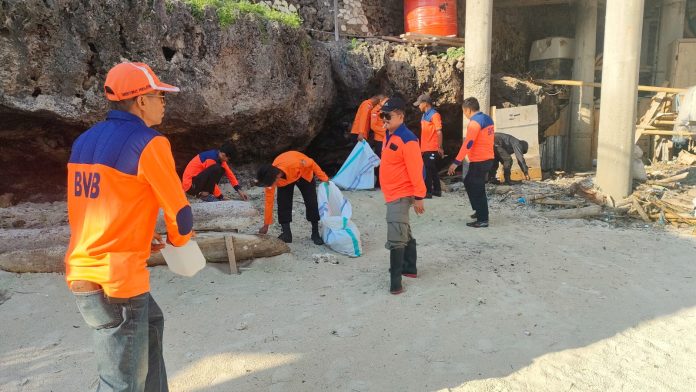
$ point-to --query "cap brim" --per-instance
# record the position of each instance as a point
(166, 88)
(417, 103)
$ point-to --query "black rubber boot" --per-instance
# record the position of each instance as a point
(316, 238)
(286, 234)
(410, 257)
(396, 263)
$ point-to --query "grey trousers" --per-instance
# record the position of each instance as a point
(398, 227)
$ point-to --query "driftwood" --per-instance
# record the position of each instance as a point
(246, 247)
(673, 179)
(574, 213)
(587, 192)
(554, 202)
(222, 216)
(640, 210)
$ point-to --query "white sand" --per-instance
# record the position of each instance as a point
(526, 305)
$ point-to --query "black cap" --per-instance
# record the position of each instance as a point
(423, 98)
(392, 104)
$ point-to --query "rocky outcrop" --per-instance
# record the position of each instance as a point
(374, 66)
(261, 84)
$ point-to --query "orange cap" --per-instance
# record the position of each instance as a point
(129, 80)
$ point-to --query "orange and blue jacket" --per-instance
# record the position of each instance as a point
(401, 172)
(376, 123)
(431, 124)
(120, 174)
(294, 165)
(479, 140)
(203, 161)
(361, 124)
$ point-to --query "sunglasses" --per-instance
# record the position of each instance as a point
(385, 116)
(161, 97)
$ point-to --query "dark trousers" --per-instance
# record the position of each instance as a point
(431, 160)
(501, 156)
(475, 185)
(206, 180)
(309, 194)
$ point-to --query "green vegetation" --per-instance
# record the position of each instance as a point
(228, 11)
(453, 53)
(355, 44)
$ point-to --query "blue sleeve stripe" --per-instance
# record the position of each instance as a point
(184, 219)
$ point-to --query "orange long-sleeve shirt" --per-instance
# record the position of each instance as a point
(294, 165)
(376, 123)
(431, 124)
(401, 172)
(361, 124)
(120, 174)
(479, 140)
(203, 161)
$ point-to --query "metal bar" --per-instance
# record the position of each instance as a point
(594, 84)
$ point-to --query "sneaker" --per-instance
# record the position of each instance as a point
(209, 198)
(413, 276)
(474, 215)
(478, 224)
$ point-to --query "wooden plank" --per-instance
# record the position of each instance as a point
(232, 258)
(656, 89)
(655, 105)
(527, 3)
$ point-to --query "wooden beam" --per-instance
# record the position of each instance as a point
(579, 83)
(528, 3)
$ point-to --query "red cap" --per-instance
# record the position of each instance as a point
(129, 80)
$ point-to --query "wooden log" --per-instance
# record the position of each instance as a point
(222, 216)
(553, 202)
(246, 247)
(574, 213)
(672, 179)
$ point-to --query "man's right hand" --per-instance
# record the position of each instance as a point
(361, 137)
(451, 169)
(263, 229)
(419, 206)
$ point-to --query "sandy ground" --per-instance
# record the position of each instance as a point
(528, 304)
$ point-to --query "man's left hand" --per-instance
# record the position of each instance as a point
(451, 169)
(157, 243)
(243, 195)
(526, 176)
(441, 152)
(419, 206)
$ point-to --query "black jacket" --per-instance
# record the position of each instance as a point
(512, 145)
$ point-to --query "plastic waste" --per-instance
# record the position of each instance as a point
(337, 230)
(357, 171)
(184, 260)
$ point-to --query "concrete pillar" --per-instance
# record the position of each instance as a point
(617, 119)
(582, 104)
(477, 47)
(671, 29)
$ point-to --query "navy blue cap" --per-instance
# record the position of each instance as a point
(393, 104)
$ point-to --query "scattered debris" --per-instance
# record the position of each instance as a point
(241, 326)
(324, 258)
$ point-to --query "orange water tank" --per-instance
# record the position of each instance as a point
(435, 17)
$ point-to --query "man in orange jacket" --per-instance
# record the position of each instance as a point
(289, 169)
(403, 186)
(204, 171)
(431, 144)
(120, 173)
(378, 132)
(360, 130)
(478, 146)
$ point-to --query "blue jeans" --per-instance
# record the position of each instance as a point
(127, 342)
